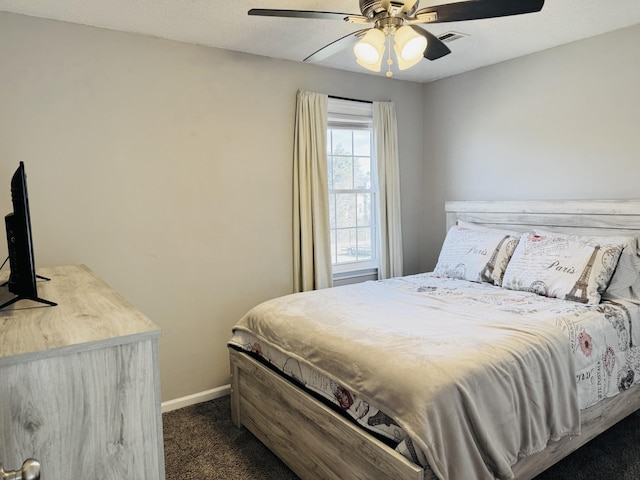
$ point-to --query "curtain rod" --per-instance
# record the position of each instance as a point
(350, 99)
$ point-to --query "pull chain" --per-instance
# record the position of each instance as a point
(389, 73)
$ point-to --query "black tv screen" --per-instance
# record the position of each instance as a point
(22, 278)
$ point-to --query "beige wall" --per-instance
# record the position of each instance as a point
(167, 169)
(559, 124)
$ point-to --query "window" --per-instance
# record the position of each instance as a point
(352, 188)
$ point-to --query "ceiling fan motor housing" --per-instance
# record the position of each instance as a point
(372, 8)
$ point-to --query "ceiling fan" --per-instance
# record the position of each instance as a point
(398, 20)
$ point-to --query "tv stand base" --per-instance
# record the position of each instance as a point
(22, 297)
(28, 297)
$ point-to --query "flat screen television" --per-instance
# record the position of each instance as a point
(22, 278)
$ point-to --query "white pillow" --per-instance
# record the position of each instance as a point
(475, 255)
(557, 266)
(505, 251)
(625, 282)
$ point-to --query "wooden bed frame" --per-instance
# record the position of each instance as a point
(318, 443)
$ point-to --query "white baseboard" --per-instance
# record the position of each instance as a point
(196, 398)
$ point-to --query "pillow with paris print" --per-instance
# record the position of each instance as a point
(474, 255)
(625, 282)
(556, 266)
(505, 249)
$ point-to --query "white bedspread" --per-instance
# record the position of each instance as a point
(475, 383)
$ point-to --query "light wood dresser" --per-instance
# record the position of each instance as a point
(79, 382)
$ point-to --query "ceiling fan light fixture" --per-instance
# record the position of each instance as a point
(404, 64)
(370, 49)
(409, 44)
(374, 67)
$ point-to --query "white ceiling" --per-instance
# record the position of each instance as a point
(225, 24)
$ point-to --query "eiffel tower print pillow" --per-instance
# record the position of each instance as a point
(501, 257)
(625, 282)
(556, 266)
(475, 255)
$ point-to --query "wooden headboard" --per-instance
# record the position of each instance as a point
(580, 217)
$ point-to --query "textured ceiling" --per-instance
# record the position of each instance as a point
(225, 24)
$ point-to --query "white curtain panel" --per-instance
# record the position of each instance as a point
(311, 241)
(385, 131)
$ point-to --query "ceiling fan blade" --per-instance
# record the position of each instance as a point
(335, 46)
(435, 47)
(476, 9)
(268, 12)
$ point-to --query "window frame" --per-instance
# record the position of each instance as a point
(355, 115)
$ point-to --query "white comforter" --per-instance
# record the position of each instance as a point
(478, 376)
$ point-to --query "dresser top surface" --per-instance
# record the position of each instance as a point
(89, 314)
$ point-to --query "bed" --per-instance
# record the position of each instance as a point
(317, 440)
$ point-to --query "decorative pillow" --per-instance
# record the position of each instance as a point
(625, 282)
(475, 255)
(557, 266)
(505, 251)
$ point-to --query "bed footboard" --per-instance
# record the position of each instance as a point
(317, 443)
(313, 440)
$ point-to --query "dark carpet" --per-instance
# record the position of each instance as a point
(201, 443)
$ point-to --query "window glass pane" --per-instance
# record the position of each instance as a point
(334, 256)
(345, 210)
(330, 171)
(342, 168)
(362, 142)
(346, 244)
(363, 207)
(364, 244)
(362, 173)
(342, 142)
(332, 210)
